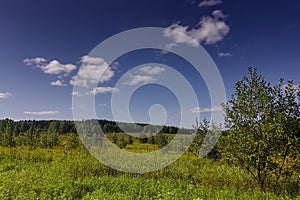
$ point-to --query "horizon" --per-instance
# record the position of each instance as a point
(72, 120)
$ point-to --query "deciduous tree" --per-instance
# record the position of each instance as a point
(263, 135)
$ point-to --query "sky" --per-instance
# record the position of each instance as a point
(45, 53)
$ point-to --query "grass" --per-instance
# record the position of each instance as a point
(57, 174)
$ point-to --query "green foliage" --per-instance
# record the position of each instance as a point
(54, 127)
(130, 139)
(161, 140)
(7, 137)
(51, 174)
(31, 137)
(204, 143)
(143, 139)
(72, 141)
(263, 135)
(210, 147)
(43, 143)
(200, 131)
(53, 139)
(151, 140)
(107, 128)
(47, 133)
(122, 143)
(114, 138)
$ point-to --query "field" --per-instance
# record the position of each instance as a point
(57, 173)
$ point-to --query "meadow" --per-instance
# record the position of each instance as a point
(57, 173)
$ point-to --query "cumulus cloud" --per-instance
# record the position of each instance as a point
(144, 74)
(58, 83)
(34, 61)
(92, 71)
(208, 3)
(39, 113)
(91, 60)
(103, 90)
(178, 33)
(224, 54)
(5, 95)
(136, 79)
(53, 67)
(152, 70)
(206, 110)
(210, 30)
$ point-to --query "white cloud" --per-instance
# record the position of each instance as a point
(103, 90)
(169, 47)
(178, 33)
(136, 79)
(78, 82)
(34, 61)
(90, 72)
(39, 113)
(58, 83)
(91, 60)
(206, 110)
(144, 74)
(224, 54)
(53, 68)
(210, 30)
(218, 14)
(5, 95)
(152, 70)
(207, 3)
(75, 93)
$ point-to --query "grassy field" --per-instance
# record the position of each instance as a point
(74, 174)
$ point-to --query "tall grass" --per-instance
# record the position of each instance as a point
(74, 174)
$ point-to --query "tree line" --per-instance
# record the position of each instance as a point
(46, 133)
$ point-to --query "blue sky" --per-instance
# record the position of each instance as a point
(43, 44)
